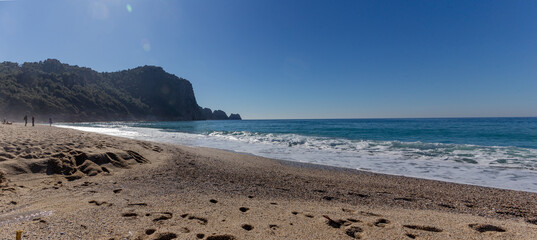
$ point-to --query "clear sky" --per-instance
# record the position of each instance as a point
(301, 59)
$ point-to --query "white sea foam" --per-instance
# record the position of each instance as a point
(502, 167)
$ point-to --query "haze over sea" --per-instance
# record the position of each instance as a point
(494, 152)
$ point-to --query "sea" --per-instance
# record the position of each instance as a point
(493, 152)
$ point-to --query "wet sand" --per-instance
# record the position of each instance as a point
(66, 184)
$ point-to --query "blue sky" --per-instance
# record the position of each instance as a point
(301, 59)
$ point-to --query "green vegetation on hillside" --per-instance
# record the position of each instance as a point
(71, 93)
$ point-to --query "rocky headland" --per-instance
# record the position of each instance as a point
(51, 89)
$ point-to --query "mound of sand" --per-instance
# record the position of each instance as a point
(48, 150)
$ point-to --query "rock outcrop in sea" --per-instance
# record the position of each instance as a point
(71, 93)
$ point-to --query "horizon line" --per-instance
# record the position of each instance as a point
(381, 118)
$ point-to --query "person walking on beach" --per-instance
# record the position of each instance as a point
(50, 121)
(25, 120)
(33, 121)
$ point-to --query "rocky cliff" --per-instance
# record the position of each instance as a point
(72, 93)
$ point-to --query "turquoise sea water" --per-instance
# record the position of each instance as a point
(497, 152)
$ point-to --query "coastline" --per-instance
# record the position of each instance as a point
(470, 158)
(173, 191)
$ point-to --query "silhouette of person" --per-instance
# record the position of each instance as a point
(50, 121)
(33, 121)
(25, 120)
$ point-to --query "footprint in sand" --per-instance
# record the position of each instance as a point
(129, 215)
(423, 228)
(247, 227)
(150, 231)
(162, 216)
(200, 235)
(532, 221)
(244, 209)
(404, 199)
(410, 235)
(200, 220)
(369, 214)
(221, 237)
(166, 236)
(137, 204)
(336, 223)
(381, 222)
(184, 230)
(485, 228)
(446, 206)
(157, 149)
(213, 201)
(354, 232)
(328, 198)
(98, 203)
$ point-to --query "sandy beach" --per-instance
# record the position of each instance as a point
(65, 184)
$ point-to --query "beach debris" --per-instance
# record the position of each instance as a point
(18, 235)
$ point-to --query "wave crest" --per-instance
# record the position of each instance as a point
(498, 156)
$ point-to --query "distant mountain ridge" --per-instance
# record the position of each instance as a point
(71, 93)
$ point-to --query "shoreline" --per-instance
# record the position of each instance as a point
(324, 165)
(204, 191)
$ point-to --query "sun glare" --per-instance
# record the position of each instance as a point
(146, 45)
